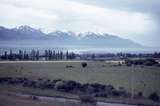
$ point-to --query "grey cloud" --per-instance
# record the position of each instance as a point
(150, 7)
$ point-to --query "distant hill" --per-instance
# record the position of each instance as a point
(33, 36)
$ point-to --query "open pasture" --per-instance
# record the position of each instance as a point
(145, 79)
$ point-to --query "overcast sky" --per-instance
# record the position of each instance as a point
(138, 20)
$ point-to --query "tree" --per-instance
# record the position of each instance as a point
(5, 55)
(93, 56)
(46, 54)
(37, 55)
(49, 55)
(26, 56)
(54, 55)
(33, 54)
(61, 55)
(67, 55)
(11, 56)
(20, 55)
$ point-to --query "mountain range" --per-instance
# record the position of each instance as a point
(33, 36)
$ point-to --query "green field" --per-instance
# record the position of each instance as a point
(145, 79)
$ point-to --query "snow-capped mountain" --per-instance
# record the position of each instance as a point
(20, 33)
(30, 35)
(59, 35)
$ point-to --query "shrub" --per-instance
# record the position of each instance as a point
(147, 62)
(67, 86)
(109, 89)
(49, 84)
(122, 91)
(119, 64)
(34, 98)
(157, 65)
(70, 85)
(84, 64)
(140, 94)
(115, 93)
(154, 96)
(69, 66)
(59, 85)
(83, 87)
(87, 99)
(128, 62)
(102, 94)
(98, 87)
(89, 89)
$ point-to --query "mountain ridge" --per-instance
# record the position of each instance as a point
(27, 34)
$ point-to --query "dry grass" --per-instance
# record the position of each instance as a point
(146, 79)
(12, 100)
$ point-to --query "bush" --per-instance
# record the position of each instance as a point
(84, 64)
(102, 94)
(69, 66)
(147, 62)
(157, 65)
(67, 86)
(87, 99)
(140, 94)
(150, 62)
(59, 86)
(109, 89)
(122, 91)
(70, 85)
(154, 96)
(84, 87)
(128, 62)
(98, 87)
(89, 89)
(34, 98)
(115, 93)
(49, 84)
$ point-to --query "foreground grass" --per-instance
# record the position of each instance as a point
(8, 94)
(12, 100)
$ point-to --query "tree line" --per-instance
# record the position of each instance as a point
(36, 55)
(66, 55)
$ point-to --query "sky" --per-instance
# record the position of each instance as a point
(138, 20)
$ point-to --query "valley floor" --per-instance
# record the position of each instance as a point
(146, 80)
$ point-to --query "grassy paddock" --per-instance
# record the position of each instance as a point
(146, 79)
